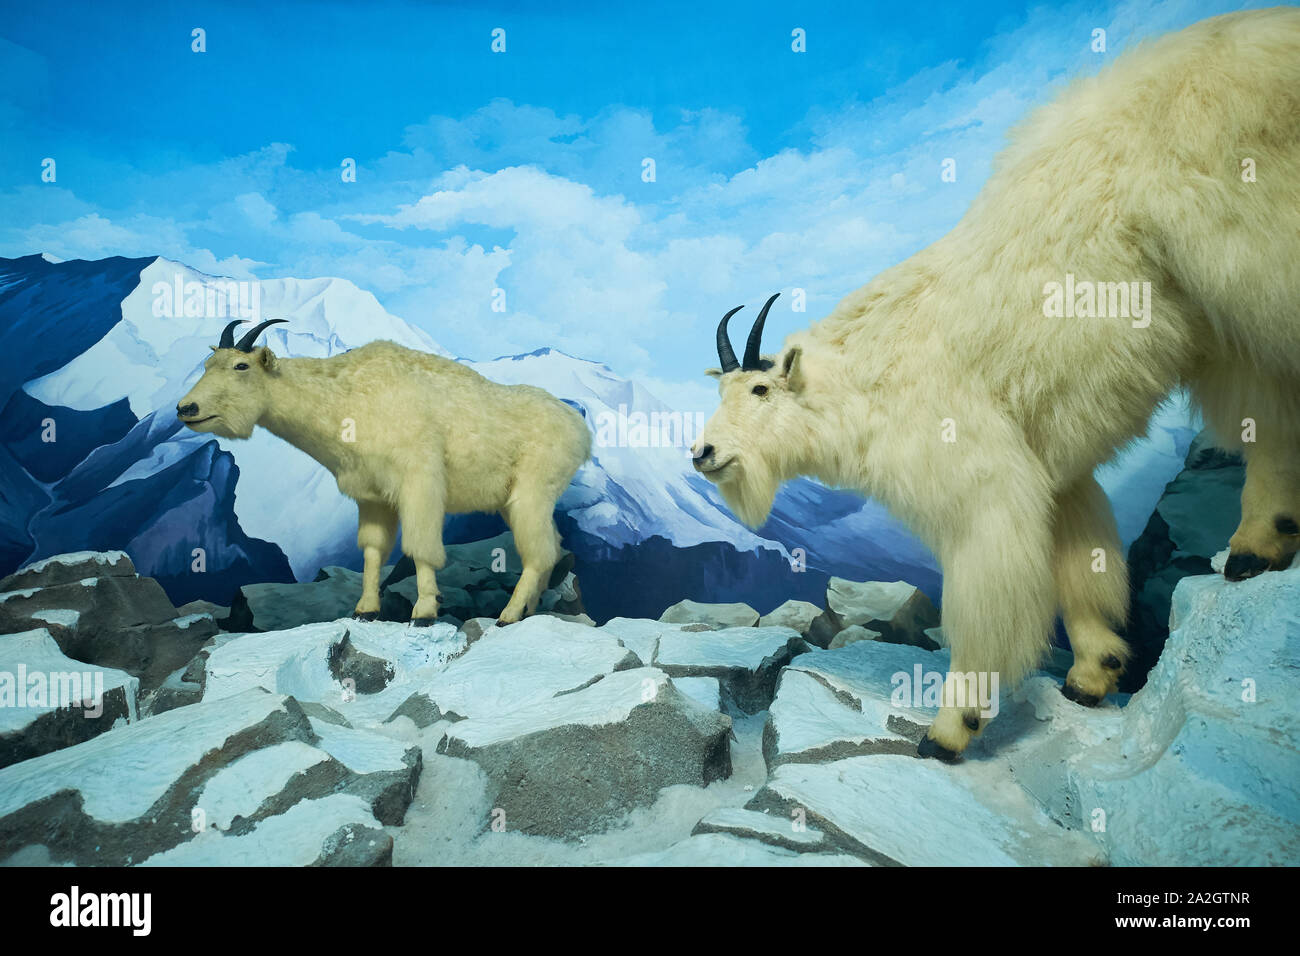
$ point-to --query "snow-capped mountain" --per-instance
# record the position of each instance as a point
(94, 356)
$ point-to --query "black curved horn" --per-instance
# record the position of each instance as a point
(752, 362)
(246, 343)
(725, 354)
(228, 335)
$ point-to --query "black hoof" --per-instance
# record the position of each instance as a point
(1079, 697)
(1243, 566)
(929, 748)
(365, 616)
(423, 621)
(502, 623)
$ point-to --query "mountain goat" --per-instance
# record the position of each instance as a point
(409, 436)
(1139, 233)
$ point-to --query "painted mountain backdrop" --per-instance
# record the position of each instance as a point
(93, 458)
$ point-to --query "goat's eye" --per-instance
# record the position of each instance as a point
(760, 389)
(241, 367)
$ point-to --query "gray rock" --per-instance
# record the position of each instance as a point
(898, 611)
(719, 615)
(1193, 520)
(798, 615)
(214, 611)
(368, 674)
(356, 845)
(279, 607)
(69, 569)
(852, 634)
(419, 710)
(577, 763)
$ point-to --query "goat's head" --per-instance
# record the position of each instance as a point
(743, 446)
(232, 394)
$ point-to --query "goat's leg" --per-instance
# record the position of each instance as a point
(1257, 414)
(376, 532)
(998, 600)
(529, 516)
(420, 505)
(1269, 534)
(1092, 588)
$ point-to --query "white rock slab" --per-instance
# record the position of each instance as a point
(37, 679)
(296, 662)
(120, 775)
(705, 691)
(923, 813)
(719, 615)
(241, 787)
(512, 668)
(787, 832)
(725, 849)
(293, 838)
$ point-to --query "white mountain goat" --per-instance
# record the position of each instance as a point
(409, 436)
(974, 388)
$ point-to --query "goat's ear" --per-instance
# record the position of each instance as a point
(213, 347)
(791, 368)
(266, 358)
(713, 372)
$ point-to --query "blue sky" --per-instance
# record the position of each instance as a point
(522, 170)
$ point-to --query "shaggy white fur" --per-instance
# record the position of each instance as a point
(965, 392)
(412, 437)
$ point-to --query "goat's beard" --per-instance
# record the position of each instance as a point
(750, 493)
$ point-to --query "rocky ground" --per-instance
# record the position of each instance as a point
(282, 732)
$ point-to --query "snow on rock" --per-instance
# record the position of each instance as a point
(1200, 767)
(727, 849)
(248, 778)
(49, 701)
(240, 788)
(641, 635)
(363, 669)
(128, 793)
(116, 620)
(840, 703)
(526, 663)
(901, 809)
(718, 615)
(787, 832)
(896, 610)
(575, 763)
(67, 568)
(746, 660)
(338, 829)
